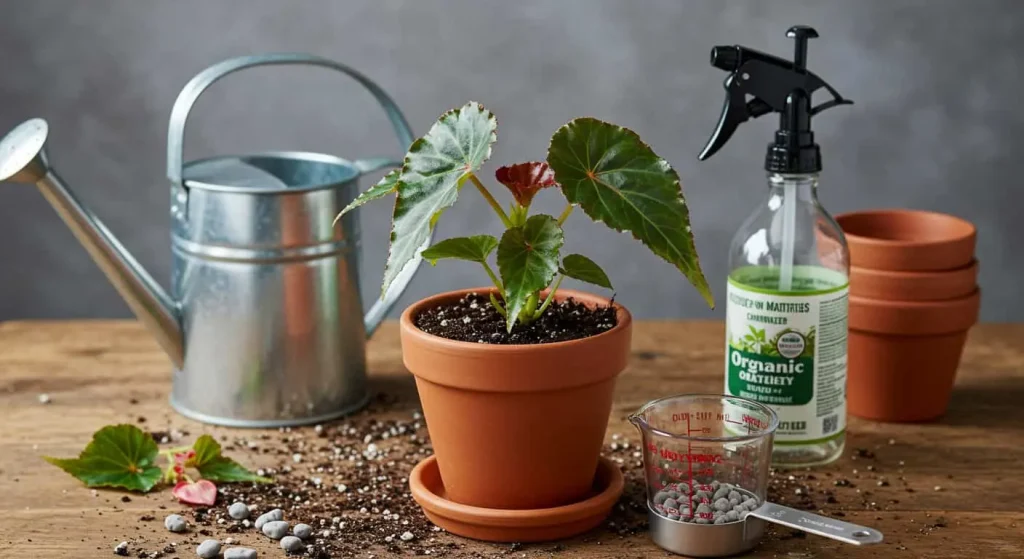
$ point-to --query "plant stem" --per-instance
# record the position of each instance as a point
(497, 306)
(565, 214)
(550, 297)
(494, 278)
(526, 316)
(490, 200)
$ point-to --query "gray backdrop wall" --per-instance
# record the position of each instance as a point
(938, 122)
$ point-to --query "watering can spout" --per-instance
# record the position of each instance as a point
(23, 159)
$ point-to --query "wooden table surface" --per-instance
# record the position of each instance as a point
(92, 369)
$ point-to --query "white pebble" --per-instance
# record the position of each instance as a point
(938, 488)
(318, 429)
(121, 548)
(229, 541)
(45, 399)
(208, 549)
(291, 544)
(240, 553)
(466, 320)
(175, 523)
(325, 534)
(303, 531)
(276, 514)
(238, 511)
(275, 529)
(407, 536)
(296, 458)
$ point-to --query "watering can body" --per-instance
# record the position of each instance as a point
(263, 320)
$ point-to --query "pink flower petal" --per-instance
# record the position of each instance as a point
(202, 492)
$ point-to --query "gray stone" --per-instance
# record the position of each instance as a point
(292, 544)
(721, 519)
(175, 523)
(208, 549)
(701, 521)
(673, 517)
(722, 505)
(660, 497)
(703, 509)
(275, 529)
(732, 516)
(735, 495)
(671, 504)
(239, 553)
(303, 531)
(276, 514)
(238, 511)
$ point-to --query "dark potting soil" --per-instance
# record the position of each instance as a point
(474, 319)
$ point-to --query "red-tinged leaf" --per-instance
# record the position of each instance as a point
(202, 492)
(526, 179)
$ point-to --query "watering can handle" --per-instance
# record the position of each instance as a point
(195, 87)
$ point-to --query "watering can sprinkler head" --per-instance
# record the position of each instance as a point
(23, 160)
(23, 156)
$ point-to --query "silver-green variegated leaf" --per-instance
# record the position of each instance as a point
(475, 249)
(432, 174)
(580, 267)
(618, 180)
(528, 261)
(384, 186)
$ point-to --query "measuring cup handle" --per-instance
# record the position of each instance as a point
(816, 524)
(195, 87)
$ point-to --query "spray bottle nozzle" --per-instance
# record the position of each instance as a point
(725, 58)
(775, 85)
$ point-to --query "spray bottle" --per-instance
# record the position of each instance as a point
(786, 311)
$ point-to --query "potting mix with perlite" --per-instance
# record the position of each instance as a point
(786, 301)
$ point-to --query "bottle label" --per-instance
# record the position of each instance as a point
(788, 349)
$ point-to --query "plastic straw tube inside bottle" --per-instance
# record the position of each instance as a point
(788, 235)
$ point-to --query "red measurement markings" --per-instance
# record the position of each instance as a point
(753, 422)
(689, 464)
(692, 457)
(707, 515)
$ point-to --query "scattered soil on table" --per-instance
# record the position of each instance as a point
(474, 319)
(349, 481)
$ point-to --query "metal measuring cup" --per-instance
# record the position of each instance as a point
(706, 463)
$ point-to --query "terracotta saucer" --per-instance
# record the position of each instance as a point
(495, 525)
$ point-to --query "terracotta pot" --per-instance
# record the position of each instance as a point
(516, 426)
(908, 240)
(913, 286)
(903, 356)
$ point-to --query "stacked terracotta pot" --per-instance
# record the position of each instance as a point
(913, 297)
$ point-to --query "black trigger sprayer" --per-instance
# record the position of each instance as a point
(776, 85)
(789, 262)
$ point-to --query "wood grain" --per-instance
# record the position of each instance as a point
(92, 370)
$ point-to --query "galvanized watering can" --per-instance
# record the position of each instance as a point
(263, 322)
